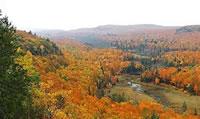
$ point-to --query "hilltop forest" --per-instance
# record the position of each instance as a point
(70, 77)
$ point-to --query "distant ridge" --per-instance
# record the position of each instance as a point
(191, 28)
(120, 28)
(97, 36)
(105, 29)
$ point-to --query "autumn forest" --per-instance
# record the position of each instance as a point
(107, 72)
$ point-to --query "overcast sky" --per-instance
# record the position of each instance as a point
(73, 14)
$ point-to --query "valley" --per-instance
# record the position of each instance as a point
(167, 96)
(162, 64)
(106, 72)
(99, 59)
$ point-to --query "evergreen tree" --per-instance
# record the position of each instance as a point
(14, 84)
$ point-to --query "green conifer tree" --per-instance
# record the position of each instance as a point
(14, 84)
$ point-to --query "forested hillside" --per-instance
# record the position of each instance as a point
(63, 78)
(96, 37)
(73, 85)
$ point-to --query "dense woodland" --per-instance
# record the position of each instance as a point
(65, 79)
(173, 56)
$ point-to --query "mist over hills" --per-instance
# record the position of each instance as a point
(96, 37)
(105, 29)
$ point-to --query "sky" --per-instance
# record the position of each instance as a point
(73, 14)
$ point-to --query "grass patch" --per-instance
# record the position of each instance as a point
(167, 96)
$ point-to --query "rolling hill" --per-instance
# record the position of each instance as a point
(95, 36)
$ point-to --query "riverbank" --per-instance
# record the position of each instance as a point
(133, 89)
